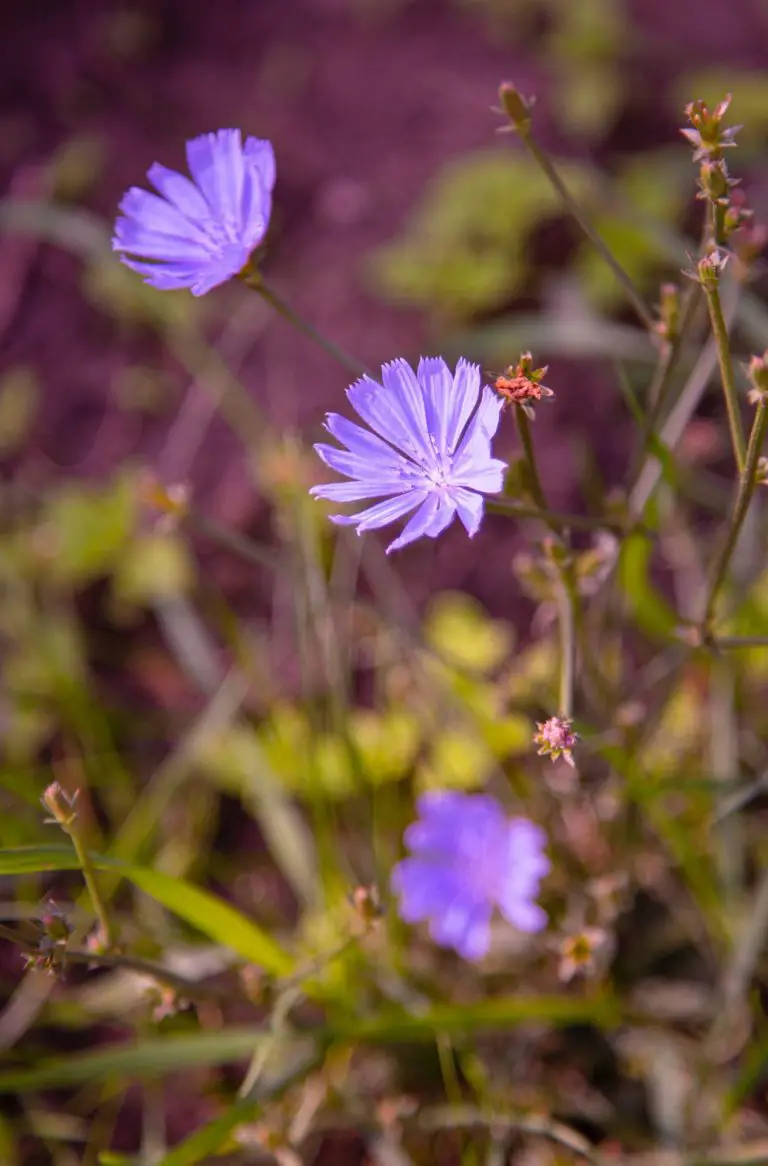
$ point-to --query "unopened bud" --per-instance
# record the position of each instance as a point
(710, 269)
(60, 805)
(761, 474)
(516, 107)
(715, 182)
(757, 371)
(366, 903)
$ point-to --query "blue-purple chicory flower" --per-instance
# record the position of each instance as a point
(468, 858)
(429, 452)
(201, 232)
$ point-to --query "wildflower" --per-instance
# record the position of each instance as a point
(466, 859)
(429, 452)
(202, 232)
(580, 953)
(556, 739)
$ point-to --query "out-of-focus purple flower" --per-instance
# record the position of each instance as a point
(468, 858)
(201, 232)
(429, 452)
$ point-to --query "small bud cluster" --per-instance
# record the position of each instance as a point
(521, 385)
(732, 217)
(707, 134)
(556, 739)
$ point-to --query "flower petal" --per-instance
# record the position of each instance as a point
(365, 468)
(382, 513)
(260, 155)
(436, 382)
(400, 380)
(469, 507)
(464, 926)
(367, 444)
(430, 520)
(216, 164)
(355, 491)
(180, 193)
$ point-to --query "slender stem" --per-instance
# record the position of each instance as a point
(536, 488)
(567, 621)
(550, 170)
(726, 643)
(669, 358)
(725, 361)
(559, 518)
(92, 886)
(747, 485)
(254, 281)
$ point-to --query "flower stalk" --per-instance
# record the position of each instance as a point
(709, 274)
(63, 810)
(747, 485)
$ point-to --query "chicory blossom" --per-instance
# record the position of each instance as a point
(199, 233)
(468, 858)
(427, 449)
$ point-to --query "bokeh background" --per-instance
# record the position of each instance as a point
(403, 224)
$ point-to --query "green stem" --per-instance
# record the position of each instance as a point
(92, 886)
(254, 281)
(747, 485)
(536, 488)
(549, 169)
(722, 341)
(726, 643)
(566, 613)
(669, 359)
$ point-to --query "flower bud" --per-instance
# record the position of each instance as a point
(757, 371)
(715, 182)
(710, 268)
(516, 107)
(521, 385)
(60, 805)
(707, 134)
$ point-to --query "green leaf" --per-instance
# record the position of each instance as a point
(151, 1057)
(499, 1012)
(210, 915)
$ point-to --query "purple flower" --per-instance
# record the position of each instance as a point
(466, 859)
(202, 232)
(430, 449)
